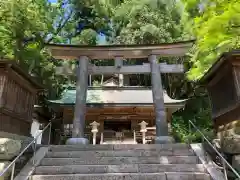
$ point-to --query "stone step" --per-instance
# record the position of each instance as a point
(119, 160)
(118, 147)
(124, 153)
(126, 176)
(123, 168)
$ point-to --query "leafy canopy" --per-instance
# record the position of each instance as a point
(146, 22)
(216, 28)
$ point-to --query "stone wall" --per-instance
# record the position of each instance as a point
(229, 135)
(236, 162)
(23, 139)
(10, 146)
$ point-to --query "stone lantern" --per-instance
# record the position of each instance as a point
(143, 130)
(94, 130)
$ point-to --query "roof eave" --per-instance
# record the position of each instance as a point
(212, 70)
(12, 64)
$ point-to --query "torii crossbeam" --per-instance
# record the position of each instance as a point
(119, 52)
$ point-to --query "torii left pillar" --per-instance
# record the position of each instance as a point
(80, 104)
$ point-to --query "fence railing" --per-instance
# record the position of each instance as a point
(224, 161)
(34, 143)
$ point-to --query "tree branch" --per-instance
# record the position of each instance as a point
(60, 27)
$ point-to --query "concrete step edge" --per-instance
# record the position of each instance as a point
(119, 147)
(120, 160)
(122, 153)
(130, 168)
(126, 176)
(119, 157)
(119, 165)
(121, 174)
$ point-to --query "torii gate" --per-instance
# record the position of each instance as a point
(118, 52)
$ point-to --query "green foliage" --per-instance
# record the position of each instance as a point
(90, 14)
(216, 28)
(146, 22)
(26, 25)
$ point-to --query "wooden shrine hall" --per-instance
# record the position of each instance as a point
(119, 109)
(116, 110)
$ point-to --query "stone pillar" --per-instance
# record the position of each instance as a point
(157, 92)
(80, 104)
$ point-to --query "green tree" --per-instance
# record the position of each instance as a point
(215, 25)
(25, 27)
(146, 22)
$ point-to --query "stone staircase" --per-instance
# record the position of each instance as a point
(120, 162)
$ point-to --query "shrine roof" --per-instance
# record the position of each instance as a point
(120, 96)
(219, 62)
(67, 51)
(14, 66)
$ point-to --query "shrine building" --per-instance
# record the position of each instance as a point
(117, 111)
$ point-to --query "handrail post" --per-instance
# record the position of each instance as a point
(34, 151)
(225, 162)
(189, 132)
(13, 171)
(50, 132)
(224, 169)
(189, 127)
(203, 140)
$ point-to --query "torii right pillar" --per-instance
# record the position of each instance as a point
(162, 136)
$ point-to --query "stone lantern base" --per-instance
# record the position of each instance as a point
(77, 141)
(163, 140)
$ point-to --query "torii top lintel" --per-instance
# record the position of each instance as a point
(62, 51)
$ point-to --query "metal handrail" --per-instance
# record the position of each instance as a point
(34, 141)
(223, 159)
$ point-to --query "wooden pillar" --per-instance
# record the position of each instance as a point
(158, 100)
(80, 104)
(126, 80)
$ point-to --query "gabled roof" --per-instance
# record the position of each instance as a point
(117, 96)
(219, 62)
(112, 81)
